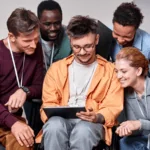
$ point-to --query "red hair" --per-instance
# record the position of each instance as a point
(136, 58)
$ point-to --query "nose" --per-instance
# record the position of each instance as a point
(52, 27)
(120, 40)
(82, 51)
(119, 75)
(33, 44)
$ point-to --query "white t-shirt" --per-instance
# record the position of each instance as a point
(80, 77)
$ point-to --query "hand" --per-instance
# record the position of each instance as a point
(123, 131)
(23, 133)
(87, 116)
(132, 124)
(126, 128)
(16, 100)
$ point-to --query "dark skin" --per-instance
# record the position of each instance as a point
(91, 116)
(50, 24)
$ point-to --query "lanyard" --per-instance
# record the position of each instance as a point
(86, 82)
(145, 101)
(51, 56)
(13, 60)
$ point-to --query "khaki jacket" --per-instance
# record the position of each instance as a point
(105, 94)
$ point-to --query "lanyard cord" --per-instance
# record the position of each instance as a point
(51, 56)
(145, 100)
(13, 60)
(86, 82)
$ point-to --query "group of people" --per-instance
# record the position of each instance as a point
(59, 64)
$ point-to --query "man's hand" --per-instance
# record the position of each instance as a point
(90, 116)
(23, 133)
(126, 128)
(16, 100)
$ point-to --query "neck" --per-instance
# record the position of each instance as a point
(13, 46)
(139, 86)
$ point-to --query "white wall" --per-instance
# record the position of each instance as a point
(99, 9)
(145, 8)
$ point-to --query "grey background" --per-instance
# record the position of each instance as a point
(98, 9)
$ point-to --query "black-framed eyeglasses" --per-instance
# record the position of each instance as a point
(87, 47)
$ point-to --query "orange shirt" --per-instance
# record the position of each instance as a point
(105, 94)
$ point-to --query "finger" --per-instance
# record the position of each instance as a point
(13, 103)
(87, 113)
(85, 118)
(126, 132)
(24, 140)
(17, 103)
(6, 104)
(9, 109)
(19, 140)
(31, 132)
(29, 138)
(129, 131)
(90, 109)
(20, 104)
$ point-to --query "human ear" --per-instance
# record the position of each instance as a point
(11, 36)
(139, 71)
(97, 38)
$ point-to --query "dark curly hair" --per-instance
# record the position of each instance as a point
(128, 14)
(48, 5)
(81, 25)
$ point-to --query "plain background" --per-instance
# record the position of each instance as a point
(98, 9)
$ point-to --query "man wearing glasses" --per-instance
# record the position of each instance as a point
(82, 79)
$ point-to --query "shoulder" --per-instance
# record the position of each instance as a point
(61, 66)
(103, 62)
(143, 33)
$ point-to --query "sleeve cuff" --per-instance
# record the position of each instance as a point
(10, 120)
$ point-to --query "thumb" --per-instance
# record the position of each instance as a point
(90, 109)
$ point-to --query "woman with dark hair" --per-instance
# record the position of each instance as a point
(132, 68)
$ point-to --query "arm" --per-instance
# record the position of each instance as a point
(6, 118)
(126, 128)
(18, 98)
(112, 104)
(37, 80)
(50, 94)
(22, 132)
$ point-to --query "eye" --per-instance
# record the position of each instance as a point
(88, 46)
(58, 23)
(116, 70)
(47, 23)
(76, 46)
(124, 71)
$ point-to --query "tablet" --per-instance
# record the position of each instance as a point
(63, 111)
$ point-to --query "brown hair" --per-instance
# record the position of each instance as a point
(22, 20)
(136, 58)
(81, 25)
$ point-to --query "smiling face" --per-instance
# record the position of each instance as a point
(84, 48)
(50, 24)
(123, 34)
(25, 42)
(127, 74)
